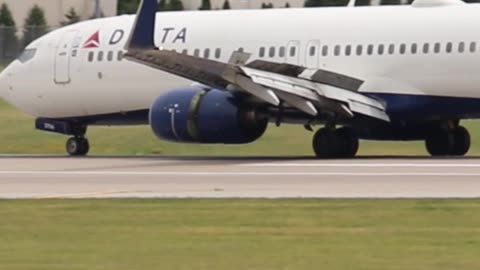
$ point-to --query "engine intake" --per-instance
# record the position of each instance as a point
(197, 115)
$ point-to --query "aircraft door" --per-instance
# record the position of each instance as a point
(312, 53)
(293, 52)
(63, 58)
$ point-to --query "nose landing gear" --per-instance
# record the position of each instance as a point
(335, 143)
(77, 146)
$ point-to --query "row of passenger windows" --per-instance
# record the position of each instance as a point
(101, 56)
(325, 50)
(112, 56)
(371, 49)
(281, 51)
(206, 53)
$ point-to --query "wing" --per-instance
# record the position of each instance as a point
(309, 91)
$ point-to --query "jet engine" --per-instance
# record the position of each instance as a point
(198, 115)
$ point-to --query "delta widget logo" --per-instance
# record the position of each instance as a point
(93, 41)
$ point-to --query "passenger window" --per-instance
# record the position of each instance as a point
(218, 53)
(473, 47)
(381, 49)
(120, 56)
(403, 49)
(449, 47)
(391, 49)
(370, 49)
(91, 56)
(110, 56)
(206, 53)
(359, 50)
(281, 51)
(461, 47)
(426, 48)
(325, 50)
(261, 53)
(414, 48)
(337, 50)
(100, 56)
(348, 50)
(293, 51)
(313, 51)
(271, 52)
(437, 48)
(196, 52)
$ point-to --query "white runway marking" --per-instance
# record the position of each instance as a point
(223, 174)
(366, 165)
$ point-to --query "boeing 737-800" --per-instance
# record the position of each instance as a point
(376, 73)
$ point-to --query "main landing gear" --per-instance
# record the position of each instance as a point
(335, 143)
(448, 142)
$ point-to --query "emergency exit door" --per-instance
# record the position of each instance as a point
(293, 52)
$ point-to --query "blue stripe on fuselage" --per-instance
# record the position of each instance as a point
(418, 107)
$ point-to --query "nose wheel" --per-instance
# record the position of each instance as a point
(77, 146)
(335, 143)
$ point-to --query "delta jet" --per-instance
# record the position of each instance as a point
(395, 73)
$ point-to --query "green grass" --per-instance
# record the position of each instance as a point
(17, 136)
(240, 234)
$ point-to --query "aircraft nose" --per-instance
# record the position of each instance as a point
(6, 82)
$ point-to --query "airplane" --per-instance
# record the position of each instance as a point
(386, 73)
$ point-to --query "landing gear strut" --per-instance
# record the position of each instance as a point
(335, 143)
(448, 142)
(77, 146)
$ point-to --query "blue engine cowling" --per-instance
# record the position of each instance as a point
(197, 115)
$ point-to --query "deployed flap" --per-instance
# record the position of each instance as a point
(356, 102)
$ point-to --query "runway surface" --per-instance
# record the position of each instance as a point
(152, 177)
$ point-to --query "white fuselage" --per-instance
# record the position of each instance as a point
(60, 81)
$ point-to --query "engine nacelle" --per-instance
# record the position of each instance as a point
(197, 115)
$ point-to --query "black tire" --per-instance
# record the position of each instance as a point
(77, 146)
(462, 141)
(324, 143)
(440, 142)
(348, 142)
(85, 146)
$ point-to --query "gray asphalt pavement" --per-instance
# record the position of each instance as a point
(152, 177)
